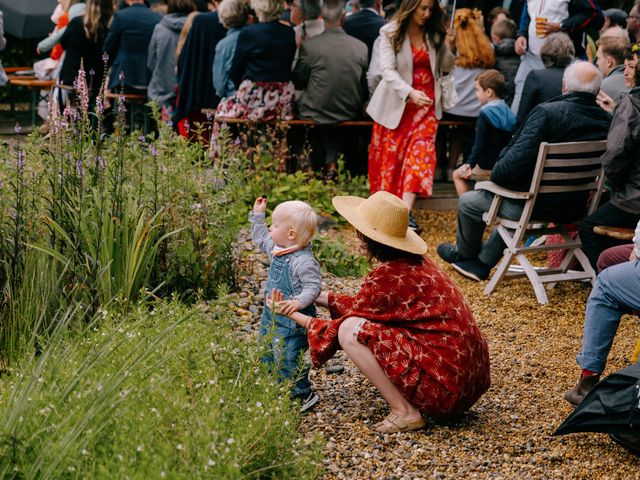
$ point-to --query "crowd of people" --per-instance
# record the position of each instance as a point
(512, 77)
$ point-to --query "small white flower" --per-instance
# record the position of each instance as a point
(179, 446)
(211, 463)
(85, 451)
(259, 404)
(230, 441)
(140, 448)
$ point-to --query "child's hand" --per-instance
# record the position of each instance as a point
(260, 205)
(287, 307)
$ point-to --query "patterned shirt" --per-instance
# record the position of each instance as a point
(421, 332)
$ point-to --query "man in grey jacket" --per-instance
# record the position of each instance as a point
(621, 164)
(331, 72)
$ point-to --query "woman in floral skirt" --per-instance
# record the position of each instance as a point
(405, 105)
(261, 68)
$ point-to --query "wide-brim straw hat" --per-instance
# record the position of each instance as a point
(382, 217)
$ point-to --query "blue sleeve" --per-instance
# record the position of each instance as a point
(219, 70)
(112, 41)
(523, 26)
(480, 141)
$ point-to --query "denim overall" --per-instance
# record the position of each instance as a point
(287, 340)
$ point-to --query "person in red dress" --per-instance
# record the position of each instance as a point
(405, 106)
(408, 329)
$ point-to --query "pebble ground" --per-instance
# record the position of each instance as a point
(508, 433)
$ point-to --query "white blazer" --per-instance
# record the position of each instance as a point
(390, 96)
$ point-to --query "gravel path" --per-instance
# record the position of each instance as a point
(507, 434)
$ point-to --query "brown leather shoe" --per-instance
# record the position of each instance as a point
(584, 386)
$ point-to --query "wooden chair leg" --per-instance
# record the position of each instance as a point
(501, 271)
(534, 279)
(584, 263)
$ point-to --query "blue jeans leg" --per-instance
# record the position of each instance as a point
(288, 345)
(616, 292)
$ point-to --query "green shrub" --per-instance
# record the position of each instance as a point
(335, 257)
(169, 392)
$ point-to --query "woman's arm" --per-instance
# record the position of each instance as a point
(388, 66)
(323, 300)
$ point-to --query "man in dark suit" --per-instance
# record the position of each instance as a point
(365, 25)
(331, 72)
(127, 44)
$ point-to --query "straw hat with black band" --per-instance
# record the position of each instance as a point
(382, 217)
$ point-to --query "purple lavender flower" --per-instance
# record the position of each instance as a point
(237, 141)
(21, 159)
(80, 85)
(142, 138)
(79, 169)
(17, 128)
(105, 57)
(153, 151)
(121, 76)
(101, 162)
(1, 184)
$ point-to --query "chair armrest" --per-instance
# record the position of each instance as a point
(503, 192)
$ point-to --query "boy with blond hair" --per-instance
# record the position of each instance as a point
(296, 273)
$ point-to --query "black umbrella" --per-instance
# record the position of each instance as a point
(28, 18)
(613, 406)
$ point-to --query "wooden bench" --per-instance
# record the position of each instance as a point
(619, 233)
(35, 86)
(305, 122)
(138, 106)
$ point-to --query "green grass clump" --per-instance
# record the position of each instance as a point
(166, 392)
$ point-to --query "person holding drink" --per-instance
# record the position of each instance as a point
(544, 17)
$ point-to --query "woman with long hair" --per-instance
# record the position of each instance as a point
(82, 43)
(474, 55)
(405, 105)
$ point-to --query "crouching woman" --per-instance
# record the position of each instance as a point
(408, 329)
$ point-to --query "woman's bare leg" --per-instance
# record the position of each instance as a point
(369, 366)
(409, 198)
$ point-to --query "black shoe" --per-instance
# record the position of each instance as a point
(413, 224)
(473, 269)
(628, 440)
(449, 253)
(581, 390)
(309, 402)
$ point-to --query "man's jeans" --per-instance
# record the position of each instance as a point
(471, 227)
(617, 292)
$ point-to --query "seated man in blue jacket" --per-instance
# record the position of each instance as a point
(127, 45)
(572, 117)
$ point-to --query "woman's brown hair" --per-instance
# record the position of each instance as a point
(384, 253)
(433, 27)
(97, 18)
(473, 46)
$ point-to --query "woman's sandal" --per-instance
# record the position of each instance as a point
(394, 423)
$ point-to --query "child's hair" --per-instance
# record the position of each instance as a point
(494, 80)
(506, 28)
(303, 220)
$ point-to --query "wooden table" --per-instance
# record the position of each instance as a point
(35, 86)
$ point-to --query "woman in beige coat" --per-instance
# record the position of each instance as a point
(412, 57)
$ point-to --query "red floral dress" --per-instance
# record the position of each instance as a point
(404, 159)
(420, 330)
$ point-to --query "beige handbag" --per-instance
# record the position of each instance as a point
(448, 91)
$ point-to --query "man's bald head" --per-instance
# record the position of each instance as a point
(581, 77)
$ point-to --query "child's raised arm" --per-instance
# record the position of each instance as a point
(259, 231)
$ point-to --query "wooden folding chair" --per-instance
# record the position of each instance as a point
(560, 168)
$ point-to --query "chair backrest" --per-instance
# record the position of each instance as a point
(570, 167)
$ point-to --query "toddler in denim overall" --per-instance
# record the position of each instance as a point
(296, 273)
